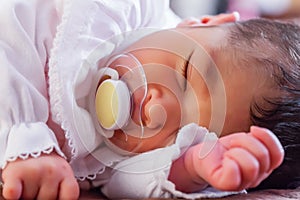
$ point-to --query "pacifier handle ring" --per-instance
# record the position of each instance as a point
(138, 65)
(109, 72)
(114, 75)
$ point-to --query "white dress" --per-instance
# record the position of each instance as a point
(49, 53)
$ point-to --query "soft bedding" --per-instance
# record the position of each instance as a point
(273, 194)
(263, 194)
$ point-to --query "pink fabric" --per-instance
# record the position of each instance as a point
(247, 9)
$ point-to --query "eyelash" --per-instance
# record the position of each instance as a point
(184, 70)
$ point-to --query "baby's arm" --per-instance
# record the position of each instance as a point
(46, 177)
(30, 28)
(234, 162)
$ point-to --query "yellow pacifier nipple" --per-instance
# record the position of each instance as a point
(112, 104)
(114, 101)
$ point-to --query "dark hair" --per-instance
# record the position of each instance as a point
(275, 47)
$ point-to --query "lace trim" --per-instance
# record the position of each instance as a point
(55, 86)
(100, 171)
(91, 176)
(35, 154)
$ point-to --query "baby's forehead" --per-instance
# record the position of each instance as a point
(249, 72)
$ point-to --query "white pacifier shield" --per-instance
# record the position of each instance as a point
(112, 104)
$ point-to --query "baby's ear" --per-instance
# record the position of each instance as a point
(210, 20)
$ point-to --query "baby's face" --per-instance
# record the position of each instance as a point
(188, 81)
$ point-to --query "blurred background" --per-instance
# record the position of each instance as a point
(247, 8)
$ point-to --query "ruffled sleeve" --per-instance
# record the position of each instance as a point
(83, 42)
(27, 29)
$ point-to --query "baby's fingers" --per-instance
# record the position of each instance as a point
(12, 188)
(48, 191)
(253, 146)
(227, 177)
(249, 167)
(69, 189)
(272, 144)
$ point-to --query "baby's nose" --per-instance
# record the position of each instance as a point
(155, 114)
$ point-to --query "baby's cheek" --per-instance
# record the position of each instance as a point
(157, 116)
(174, 113)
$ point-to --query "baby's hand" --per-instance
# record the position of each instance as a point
(211, 20)
(240, 161)
(45, 177)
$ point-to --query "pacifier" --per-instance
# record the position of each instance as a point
(114, 95)
(113, 104)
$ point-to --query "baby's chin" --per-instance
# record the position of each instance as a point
(129, 143)
(137, 143)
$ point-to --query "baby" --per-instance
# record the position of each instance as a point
(199, 73)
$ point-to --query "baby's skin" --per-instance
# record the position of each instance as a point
(47, 177)
(235, 162)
